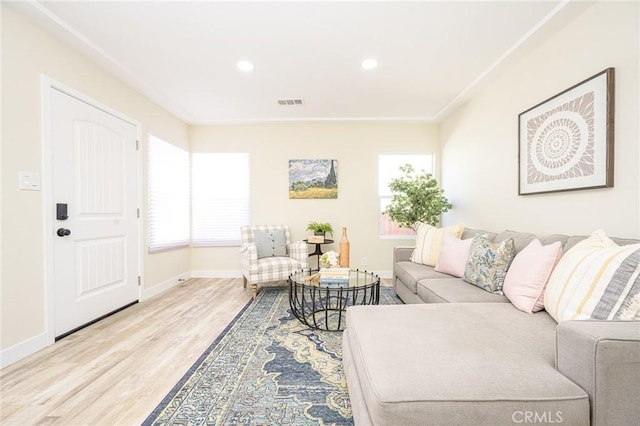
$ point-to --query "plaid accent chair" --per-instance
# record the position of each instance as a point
(269, 269)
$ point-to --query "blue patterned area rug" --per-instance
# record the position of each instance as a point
(266, 368)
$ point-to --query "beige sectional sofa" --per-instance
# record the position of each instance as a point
(458, 355)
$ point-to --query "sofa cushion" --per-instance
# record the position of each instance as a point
(465, 363)
(488, 263)
(453, 255)
(520, 239)
(470, 233)
(552, 238)
(455, 290)
(623, 241)
(573, 240)
(523, 239)
(410, 273)
(528, 275)
(596, 279)
(429, 241)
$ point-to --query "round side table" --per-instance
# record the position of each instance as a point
(318, 250)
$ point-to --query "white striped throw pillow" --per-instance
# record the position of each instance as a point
(595, 279)
(429, 242)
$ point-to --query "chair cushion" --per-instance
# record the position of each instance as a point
(277, 263)
(274, 269)
(247, 232)
(270, 243)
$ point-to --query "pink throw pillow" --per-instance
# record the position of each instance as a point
(528, 275)
(453, 255)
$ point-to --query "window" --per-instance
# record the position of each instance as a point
(220, 198)
(168, 196)
(389, 168)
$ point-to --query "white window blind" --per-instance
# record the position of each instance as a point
(168, 189)
(220, 198)
(388, 169)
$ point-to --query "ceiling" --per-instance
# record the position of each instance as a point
(431, 55)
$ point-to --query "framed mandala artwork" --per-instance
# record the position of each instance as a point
(566, 142)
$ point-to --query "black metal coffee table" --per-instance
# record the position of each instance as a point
(321, 306)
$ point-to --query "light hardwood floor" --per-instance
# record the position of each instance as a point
(116, 371)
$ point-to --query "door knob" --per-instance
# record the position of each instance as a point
(63, 232)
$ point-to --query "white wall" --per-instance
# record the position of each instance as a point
(479, 142)
(356, 146)
(27, 53)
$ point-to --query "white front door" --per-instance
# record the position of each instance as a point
(95, 249)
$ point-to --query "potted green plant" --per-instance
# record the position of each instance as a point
(416, 198)
(320, 228)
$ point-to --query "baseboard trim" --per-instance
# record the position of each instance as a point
(382, 274)
(149, 292)
(23, 349)
(216, 274)
(385, 275)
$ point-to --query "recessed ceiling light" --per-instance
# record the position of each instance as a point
(369, 64)
(245, 66)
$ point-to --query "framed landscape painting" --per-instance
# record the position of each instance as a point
(313, 178)
(566, 142)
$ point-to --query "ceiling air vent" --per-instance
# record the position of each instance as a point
(292, 102)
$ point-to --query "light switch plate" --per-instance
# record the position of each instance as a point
(29, 181)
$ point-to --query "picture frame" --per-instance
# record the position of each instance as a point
(565, 143)
(313, 179)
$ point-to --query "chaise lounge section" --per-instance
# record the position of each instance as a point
(457, 354)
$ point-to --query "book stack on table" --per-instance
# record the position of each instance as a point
(338, 277)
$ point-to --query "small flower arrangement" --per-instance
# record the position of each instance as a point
(330, 259)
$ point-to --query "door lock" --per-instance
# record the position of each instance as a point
(61, 212)
(62, 232)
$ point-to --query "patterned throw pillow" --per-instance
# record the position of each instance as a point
(270, 244)
(595, 279)
(488, 263)
(429, 242)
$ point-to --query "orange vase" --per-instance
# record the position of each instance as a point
(344, 249)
